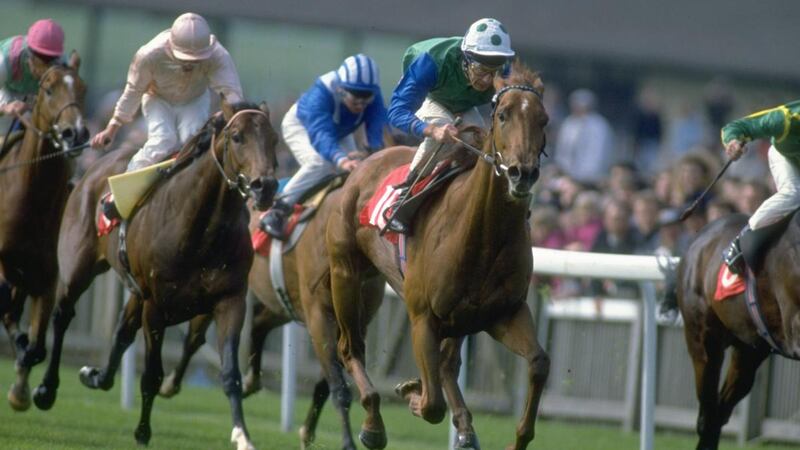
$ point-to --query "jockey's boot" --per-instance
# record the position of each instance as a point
(399, 222)
(110, 209)
(274, 221)
(733, 256)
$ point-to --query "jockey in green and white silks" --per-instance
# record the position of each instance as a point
(782, 126)
(444, 78)
(23, 61)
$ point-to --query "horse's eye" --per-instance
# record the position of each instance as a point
(48, 91)
(237, 138)
(501, 117)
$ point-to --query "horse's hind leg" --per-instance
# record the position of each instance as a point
(153, 369)
(264, 321)
(129, 322)
(195, 339)
(739, 380)
(229, 317)
(322, 328)
(707, 353)
(345, 290)
(518, 334)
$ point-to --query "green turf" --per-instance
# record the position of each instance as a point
(199, 418)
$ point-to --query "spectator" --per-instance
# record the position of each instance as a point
(584, 149)
(584, 223)
(730, 189)
(719, 208)
(662, 186)
(751, 196)
(645, 221)
(692, 177)
(672, 240)
(647, 132)
(623, 182)
(615, 237)
(545, 228)
(687, 132)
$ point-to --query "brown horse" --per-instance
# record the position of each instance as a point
(34, 175)
(469, 262)
(307, 279)
(713, 326)
(189, 252)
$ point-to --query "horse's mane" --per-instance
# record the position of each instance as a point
(520, 74)
(201, 141)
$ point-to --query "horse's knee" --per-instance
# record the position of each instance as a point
(539, 367)
(342, 396)
(63, 315)
(434, 412)
(231, 382)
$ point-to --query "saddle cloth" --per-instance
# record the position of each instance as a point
(728, 284)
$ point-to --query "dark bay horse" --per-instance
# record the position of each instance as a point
(34, 176)
(469, 262)
(307, 280)
(189, 252)
(712, 326)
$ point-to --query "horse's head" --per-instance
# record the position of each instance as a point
(59, 103)
(246, 147)
(518, 121)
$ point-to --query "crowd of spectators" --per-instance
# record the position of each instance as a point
(595, 195)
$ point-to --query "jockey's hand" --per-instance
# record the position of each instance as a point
(358, 155)
(348, 164)
(103, 139)
(734, 149)
(16, 108)
(442, 133)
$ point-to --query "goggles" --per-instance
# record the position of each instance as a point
(361, 98)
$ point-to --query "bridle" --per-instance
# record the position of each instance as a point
(240, 182)
(495, 159)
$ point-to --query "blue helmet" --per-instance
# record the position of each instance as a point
(359, 73)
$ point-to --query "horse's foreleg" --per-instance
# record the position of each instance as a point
(739, 380)
(12, 300)
(462, 418)
(229, 317)
(518, 334)
(428, 401)
(129, 322)
(322, 328)
(195, 339)
(345, 291)
(30, 351)
(264, 321)
(707, 354)
(153, 369)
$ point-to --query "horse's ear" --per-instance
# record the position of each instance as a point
(539, 85)
(74, 61)
(227, 109)
(263, 107)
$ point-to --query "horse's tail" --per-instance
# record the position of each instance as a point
(668, 306)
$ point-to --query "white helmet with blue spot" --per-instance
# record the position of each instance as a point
(359, 73)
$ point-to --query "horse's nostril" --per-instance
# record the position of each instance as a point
(514, 173)
(256, 184)
(68, 134)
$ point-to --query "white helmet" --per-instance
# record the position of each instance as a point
(190, 38)
(487, 37)
(359, 73)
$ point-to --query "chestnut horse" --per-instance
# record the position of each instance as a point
(712, 326)
(34, 176)
(307, 280)
(188, 248)
(469, 262)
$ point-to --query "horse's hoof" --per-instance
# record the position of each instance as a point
(44, 398)
(90, 378)
(251, 386)
(142, 434)
(467, 441)
(306, 437)
(168, 388)
(372, 439)
(409, 386)
(19, 397)
(239, 437)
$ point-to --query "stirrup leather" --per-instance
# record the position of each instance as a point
(734, 258)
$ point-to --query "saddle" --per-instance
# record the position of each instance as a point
(302, 212)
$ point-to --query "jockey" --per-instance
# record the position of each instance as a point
(443, 78)
(319, 131)
(170, 76)
(23, 61)
(782, 126)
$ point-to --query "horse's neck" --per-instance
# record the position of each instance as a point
(204, 199)
(489, 215)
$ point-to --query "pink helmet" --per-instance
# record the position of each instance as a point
(46, 37)
(190, 38)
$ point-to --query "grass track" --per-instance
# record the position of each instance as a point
(199, 418)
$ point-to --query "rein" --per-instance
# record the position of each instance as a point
(242, 182)
(496, 158)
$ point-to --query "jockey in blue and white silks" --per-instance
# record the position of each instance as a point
(319, 130)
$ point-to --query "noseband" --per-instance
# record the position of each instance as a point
(241, 182)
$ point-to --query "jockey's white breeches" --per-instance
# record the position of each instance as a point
(169, 127)
(432, 112)
(313, 167)
(786, 199)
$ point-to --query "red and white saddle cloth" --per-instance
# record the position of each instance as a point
(728, 284)
(377, 208)
(262, 241)
(104, 225)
